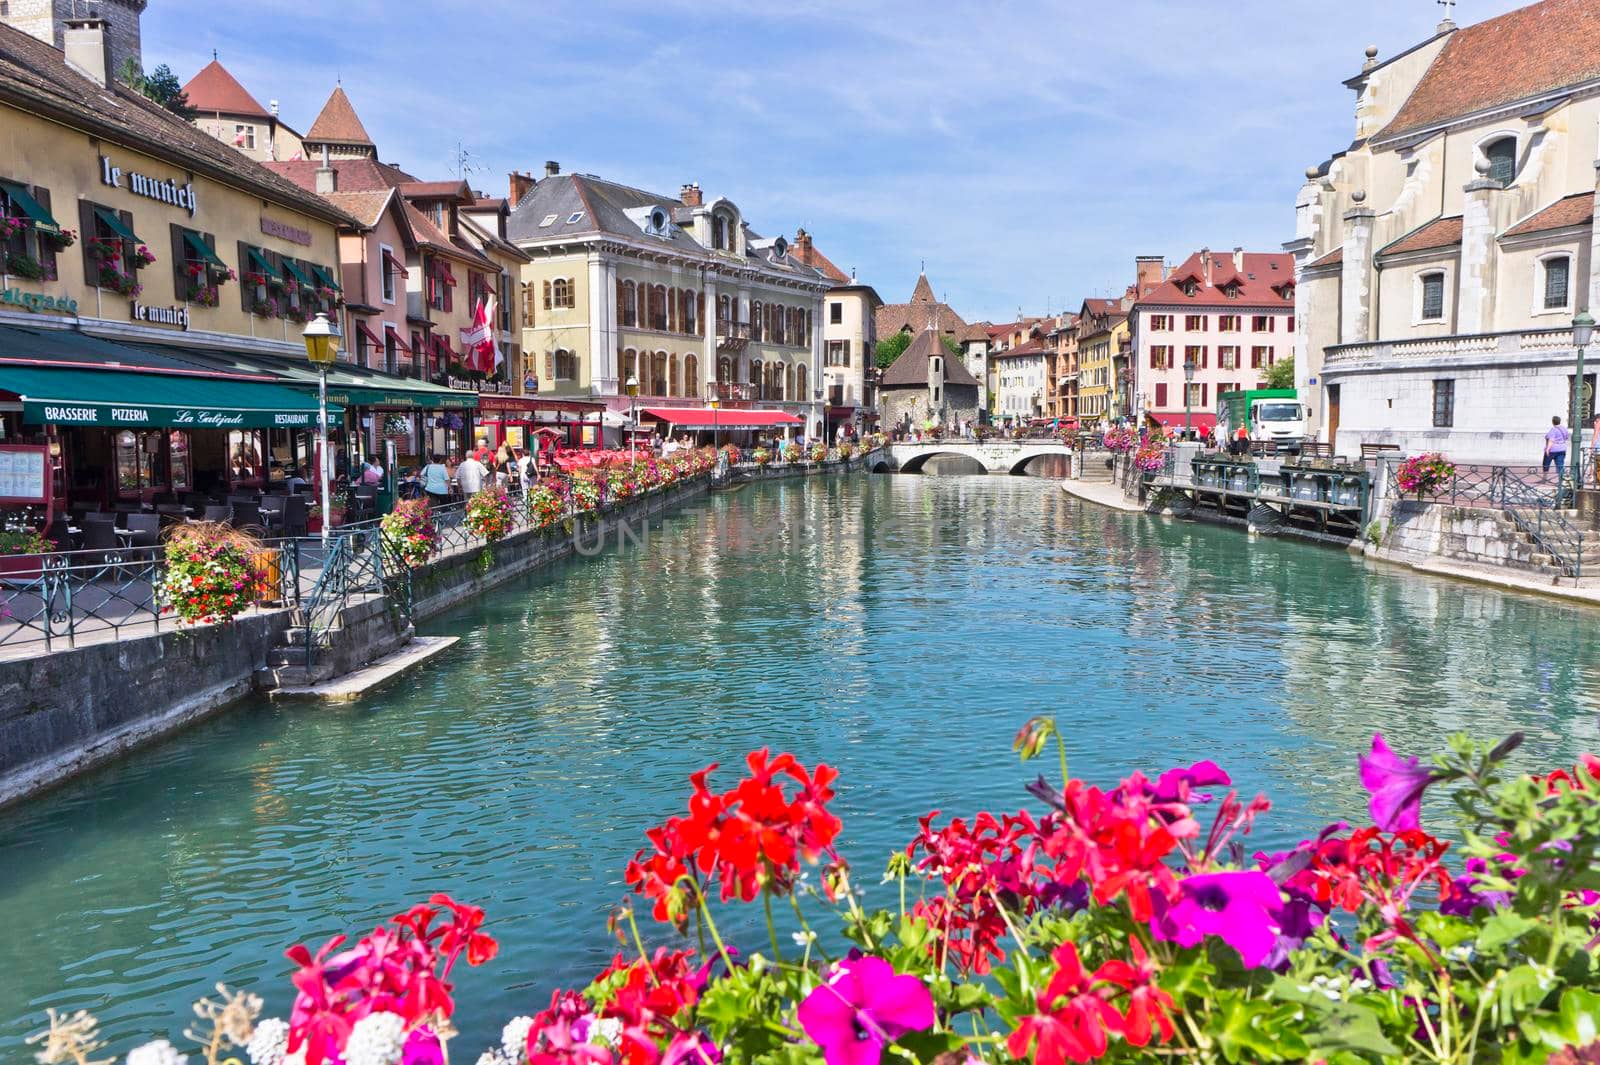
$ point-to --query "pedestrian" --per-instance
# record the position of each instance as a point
(470, 475)
(435, 478)
(371, 473)
(1555, 449)
(503, 466)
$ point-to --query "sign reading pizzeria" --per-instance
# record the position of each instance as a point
(167, 191)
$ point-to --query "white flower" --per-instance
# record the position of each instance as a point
(493, 1057)
(269, 1043)
(376, 1039)
(514, 1039)
(160, 1052)
(607, 1031)
(803, 938)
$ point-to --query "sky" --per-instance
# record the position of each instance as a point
(1025, 151)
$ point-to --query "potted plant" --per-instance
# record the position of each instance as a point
(21, 552)
(61, 241)
(1425, 475)
(213, 573)
(25, 266)
(408, 532)
(10, 227)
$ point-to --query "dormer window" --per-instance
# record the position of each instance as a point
(1232, 291)
(1502, 157)
(780, 248)
(658, 222)
(1190, 288)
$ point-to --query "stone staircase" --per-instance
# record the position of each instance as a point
(366, 629)
(1578, 544)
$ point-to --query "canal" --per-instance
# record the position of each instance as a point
(900, 628)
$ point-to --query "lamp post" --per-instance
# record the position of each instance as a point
(321, 337)
(715, 402)
(633, 414)
(1188, 380)
(1582, 331)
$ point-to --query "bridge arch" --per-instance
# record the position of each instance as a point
(916, 462)
(1018, 467)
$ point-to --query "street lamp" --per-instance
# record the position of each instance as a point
(633, 414)
(715, 403)
(321, 337)
(1188, 380)
(1582, 332)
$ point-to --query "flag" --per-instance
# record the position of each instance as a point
(496, 359)
(482, 353)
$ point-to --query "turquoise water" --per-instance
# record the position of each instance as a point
(900, 628)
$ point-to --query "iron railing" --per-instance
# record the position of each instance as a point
(1534, 507)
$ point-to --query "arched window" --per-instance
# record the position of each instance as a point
(673, 309)
(724, 371)
(672, 376)
(719, 232)
(800, 383)
(1502, 156)
(757, 325)
(630, 365)
(658, 374)
(628, 296)
(566, 365)
(724, 309)
(691, 376)
(788, 384)
(690, 319)
(561, 292)
(755, 376)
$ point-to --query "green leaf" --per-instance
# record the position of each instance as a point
(1253, 1031)
(1576, 1023)
(913, 932)
(1190, 975)
(1503, 928)
(1520, 989)
(1444, 931)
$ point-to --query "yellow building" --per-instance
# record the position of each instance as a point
(155, 287)
(1102, 333)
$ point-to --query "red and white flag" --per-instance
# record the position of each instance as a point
(480, 340)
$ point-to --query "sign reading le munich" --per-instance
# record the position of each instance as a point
(169, 191)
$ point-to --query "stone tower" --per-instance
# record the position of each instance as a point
(47, 20)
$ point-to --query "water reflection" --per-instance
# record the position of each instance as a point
(899, 627)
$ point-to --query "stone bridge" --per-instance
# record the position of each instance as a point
(996, 456)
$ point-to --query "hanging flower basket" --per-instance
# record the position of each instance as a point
(25, 266)
(408, 532)
(396, 425)
(212, 573)
(1425, 475)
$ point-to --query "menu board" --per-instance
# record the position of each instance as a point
(24, 474)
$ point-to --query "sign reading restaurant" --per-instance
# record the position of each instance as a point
(168, 191)
(97, 413)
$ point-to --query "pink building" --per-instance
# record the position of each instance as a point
(1231, 315)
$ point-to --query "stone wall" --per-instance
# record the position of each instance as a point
(1416, 532)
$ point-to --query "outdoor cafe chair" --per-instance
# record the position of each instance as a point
(296, 516)
(214, 512)
(100, 537)
(246, 514)
(272, 508)
(100, 518)
(59, 535)
(146, 529)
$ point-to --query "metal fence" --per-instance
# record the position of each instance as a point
(1534, 506)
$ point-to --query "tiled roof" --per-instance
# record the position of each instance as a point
(216, 91)
(338, 124)
(365, 207)
(1573, 211)
(974, 332)
(1020, 350)
(923, 292)
(1517, 56)
(894, 318)
(1264, 273)
(34, 76)
(431, 236)
(355, 175)
(807, 253)
(1439, 233)
(910, 370)
(437, 190)
(1333, 258)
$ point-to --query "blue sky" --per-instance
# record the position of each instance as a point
(1027, 150)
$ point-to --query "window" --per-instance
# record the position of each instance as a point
(1195, 323)
(1160, 323)
(1161, 356)
(1228, 357)
(1196, 395)
(244, 137)
(1432, 297)
(1229, 323)
(1502, 156)
(574, 218)
(1261, 323)
(672, 375)
(836, 313)
(800, 382)
(838, 353)
(1161, 394)
(566, 365)
(757, 324)
(691, 375)
(1557, 290)
(527, 304)
(628, 303)
(386, 273)
(1260, 356)
(558, 294)
(1444, 404)
(111, 250)
(195, 266)
(1195, 353)
(548, 220)
(35, 241)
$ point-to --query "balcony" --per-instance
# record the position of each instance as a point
(732, 337)
(1476, 349)
(731, 391)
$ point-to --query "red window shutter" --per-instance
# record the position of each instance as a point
(1161, 395)
(1205, 357)
(1155, 358)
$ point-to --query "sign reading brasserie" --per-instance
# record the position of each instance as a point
(36, 302)
(168, 191)
(178, 316)
(87, 412)
(284, 231)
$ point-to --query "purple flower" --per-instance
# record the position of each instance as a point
(863, 1008)
(1465, 898)
(692, 1048)
(1243, 909)
(1174, 785)
(1396, 785)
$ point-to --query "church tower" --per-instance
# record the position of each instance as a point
(48, 19)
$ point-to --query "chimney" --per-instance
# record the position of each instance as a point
(1205, 260)
(690, 195)
(1149, 271)
(87, 49)
(1238, 259)
(327, 178)
(521, 184)
(552, 168)
(802, 245)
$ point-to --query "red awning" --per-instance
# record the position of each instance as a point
(372, 338)
(1200, 420)
(395, 264)
(706, 418)
(394, 335)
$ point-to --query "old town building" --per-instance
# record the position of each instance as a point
(1061, 368)
(1102, 359)
(849, 341)
(225, 109)
(677, 293)
(156, 285)
(1216, 323)
(927, 387)
(1444, 254)
(1018, 355)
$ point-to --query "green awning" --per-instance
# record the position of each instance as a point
(259, 262)
(421, 397)
(203, 250)
(293, 271)
(153, 400)
(325, 277)
(114, 224)
(31, 207)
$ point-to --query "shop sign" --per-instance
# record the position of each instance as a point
(168, 191)
(461, 384)
(97, 413)
(284, 231)
(38, 302)
(178, 316)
